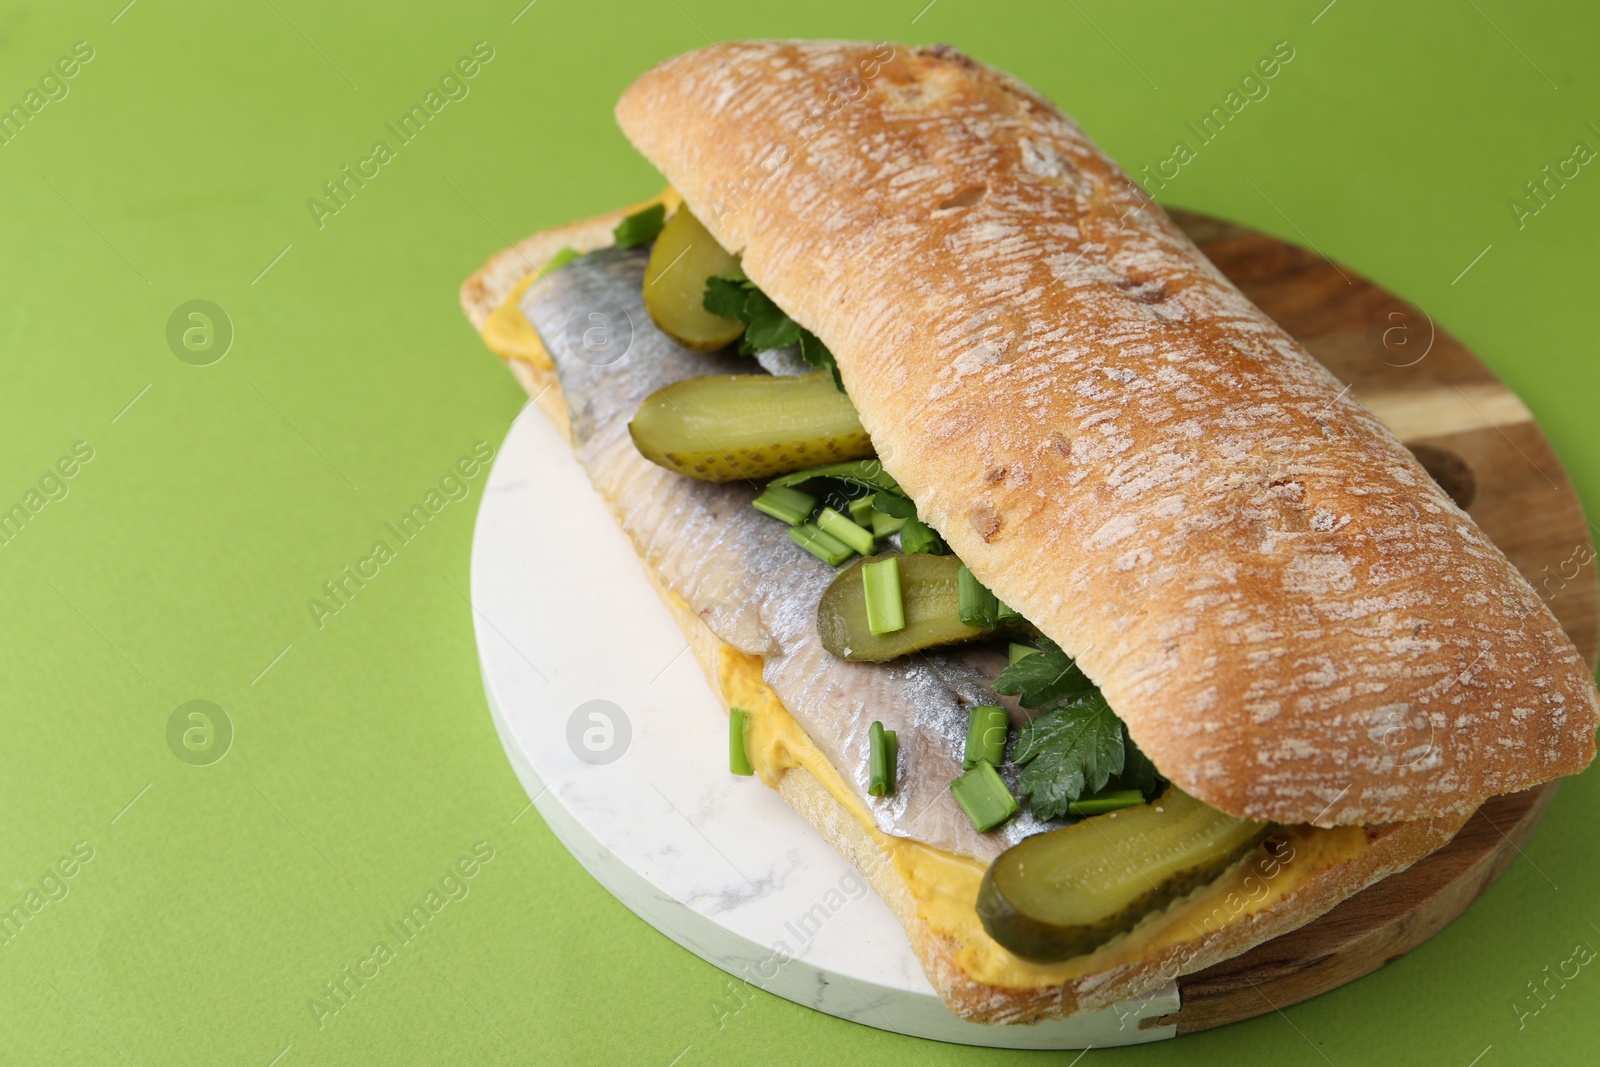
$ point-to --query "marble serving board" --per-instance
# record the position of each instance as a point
(623, 748)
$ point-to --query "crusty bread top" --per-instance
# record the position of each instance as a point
(1295, 623)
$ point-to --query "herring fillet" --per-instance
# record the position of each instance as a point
(740, 573)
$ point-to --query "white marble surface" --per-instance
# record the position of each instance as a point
(718, 863)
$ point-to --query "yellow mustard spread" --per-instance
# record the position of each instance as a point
(945, 885)
(507, 331)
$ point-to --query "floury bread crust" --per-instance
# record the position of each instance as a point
(1295, 623)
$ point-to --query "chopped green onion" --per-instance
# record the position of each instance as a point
(1104, 802)
(839, 526)
(977, 605)
(641, 227)
(882, 760)
(983, 795)
(785, 504)
(824, 546)
(917, 536)
(560, 259)
(738, 758)
(861, 510)
(884, 525)
(858, 473)
(1007, 613)
(1021, 652)
(886, 611)
(987, 726)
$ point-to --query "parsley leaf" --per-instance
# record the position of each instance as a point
(814, 352)
(1137, 770)
(1044, 679)
(769, 327)
(894, 504)
(726, 295)
(1078, 745)
(641, 227)
(1069, 751)
(734, 296)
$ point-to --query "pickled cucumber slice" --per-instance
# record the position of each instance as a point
(727, 427)
(684, 256)
(1064, 893)
(930, 598)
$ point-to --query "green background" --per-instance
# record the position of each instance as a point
(364, 763)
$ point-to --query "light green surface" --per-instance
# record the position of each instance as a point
(179, 564)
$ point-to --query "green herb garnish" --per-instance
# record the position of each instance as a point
(814, 352)
(785, 504)
(887, 497)
(840, 526)
(858, 473)
(1137, 770)
(1045, 679)
(882, 758)
(987, 727)
(1064, 753)
(1110, 800)
(1078, 745)
(560, 259)
(880, 583)
(917, 536)
(734, 296)
(727, 294)
(824, 546)
(738, 757)
(894, 502)
(978, 607)
(883, 525)
(1017, 652)
(983, 795)
(641, 227)
(768, 326)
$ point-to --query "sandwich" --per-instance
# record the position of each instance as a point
(1053, 582)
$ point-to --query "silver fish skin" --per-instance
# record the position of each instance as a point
(740, 573)
(784, 362)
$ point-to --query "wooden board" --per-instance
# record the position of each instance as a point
(1481, 443)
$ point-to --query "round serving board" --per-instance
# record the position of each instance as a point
(622, 746)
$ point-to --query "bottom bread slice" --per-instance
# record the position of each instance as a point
(976, 978)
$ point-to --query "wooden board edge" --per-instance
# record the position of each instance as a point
(1346, 943)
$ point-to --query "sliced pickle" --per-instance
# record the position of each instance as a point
(1065, 892)
(929, 591)
(727, 427)
(684, 256)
